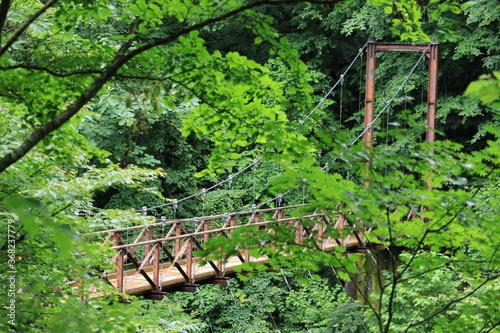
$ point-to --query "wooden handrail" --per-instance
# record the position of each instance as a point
(199, 233)
(192, 219)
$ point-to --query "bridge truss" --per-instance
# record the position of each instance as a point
(161, 256)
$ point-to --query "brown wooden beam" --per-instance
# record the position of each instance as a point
(298, 232)
(143, 263)
(370, 92)
(213, 231)
(178, 231)
(120, 261)
(381, 47)
(189, 260)
(143, 273)
(432, 92)
(222, 281)
(206, 227)
(200, 247)
(175, 263)
(148, 238)
(156, 268)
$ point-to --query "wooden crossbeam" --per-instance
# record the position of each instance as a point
(143, 273)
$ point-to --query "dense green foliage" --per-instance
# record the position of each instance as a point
(117, 104)
(274, 301)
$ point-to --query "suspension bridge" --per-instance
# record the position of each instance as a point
(160, 257)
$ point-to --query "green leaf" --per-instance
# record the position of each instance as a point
(142, 5)
(487, 89)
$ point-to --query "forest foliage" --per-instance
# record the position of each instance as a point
(117, 104)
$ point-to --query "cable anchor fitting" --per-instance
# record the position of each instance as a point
(279, 200)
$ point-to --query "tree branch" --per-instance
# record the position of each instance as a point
(445, 215)
(217, 19)
(392, 297)
(89, 71)
(49, 71)
(120, 59)
(62, 118)
(447, 306)
(61, 209)
(25, 26)
(439, 267)
(4, 9)
(493, 326)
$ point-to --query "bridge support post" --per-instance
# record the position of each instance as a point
(370, 91)
(120, 262)
(432, 91)
(431, 50)
(430, 134)
(206, 227)
(189, 260)
(370, 277)
(232, 223)
(298, 232)
(321, 227)
(147, 247)
(219, 261)
(178, 231)
(156, 267)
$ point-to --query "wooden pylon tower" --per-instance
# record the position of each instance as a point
(373, 49)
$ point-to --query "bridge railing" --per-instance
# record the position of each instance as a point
(154, 250)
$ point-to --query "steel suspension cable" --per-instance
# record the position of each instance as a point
(405, 309)
(322, 101)
(231, 177)
(340, 107)
(320, 104)
(204, 311)
(340, 282)
(325, 168)
(270, 313)
(386, 106)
